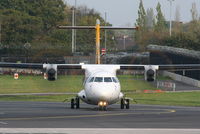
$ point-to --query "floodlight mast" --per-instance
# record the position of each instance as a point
(98, 29)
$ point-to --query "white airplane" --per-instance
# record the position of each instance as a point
(101, 85)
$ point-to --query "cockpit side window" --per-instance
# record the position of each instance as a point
(107, 79)
(92, 79)
(98, 79)
(115, 79)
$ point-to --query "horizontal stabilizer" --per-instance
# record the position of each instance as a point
(102, 27)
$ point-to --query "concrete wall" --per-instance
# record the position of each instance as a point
(181, 78)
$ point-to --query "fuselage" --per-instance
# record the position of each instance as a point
(101, 85)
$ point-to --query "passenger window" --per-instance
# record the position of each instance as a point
(107, 79)
(98, 79)
(115, 80)
(92, 79)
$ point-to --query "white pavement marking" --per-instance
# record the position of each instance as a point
(99, 131)
(3, 123)
(21, 94)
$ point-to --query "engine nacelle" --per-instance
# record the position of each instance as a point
(51, 71)
(150, 72)
(82, 95)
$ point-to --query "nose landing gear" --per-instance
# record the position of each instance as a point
(102, 105)
(125, 103)
(75, 102)
(104, 108)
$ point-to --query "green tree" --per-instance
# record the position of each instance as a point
(141, 23)
(18, 27)
(35, 21)
(50, 11)
(28, 20)
(160, 19)
(86, 38)
(150, 18)
(141, 20)
(194, 12)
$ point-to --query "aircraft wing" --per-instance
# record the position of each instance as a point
(69, 66)
(38, 65)
(150, 70)
(180, 67)
(172, 67)
(122, 66)
(132, 67)
(21, 65)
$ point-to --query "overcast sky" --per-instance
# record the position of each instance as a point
(123, 12)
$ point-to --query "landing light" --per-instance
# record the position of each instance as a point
(102, 103)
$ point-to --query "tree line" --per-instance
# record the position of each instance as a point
(30, 26)
(154, 29)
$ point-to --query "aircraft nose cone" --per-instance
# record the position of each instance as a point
(104, 92)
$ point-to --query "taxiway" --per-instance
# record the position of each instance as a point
(59, 115)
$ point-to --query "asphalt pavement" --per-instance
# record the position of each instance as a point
(59, 115)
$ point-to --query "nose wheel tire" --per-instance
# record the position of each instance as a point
(125, 103)
(75, 103)
(104, 108)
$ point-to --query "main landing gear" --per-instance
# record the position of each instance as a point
(125, 103)
(75, 102)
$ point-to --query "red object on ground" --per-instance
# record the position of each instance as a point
(16, 76)
(103, 51)
(153, 91)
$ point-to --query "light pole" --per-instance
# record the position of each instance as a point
(170, 25)
(0, 28)
(0, 32)
(75, 25)
(105, 30)
(27, 46)
(73, 30)
(125, 41)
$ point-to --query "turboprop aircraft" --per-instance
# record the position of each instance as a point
(101, 85)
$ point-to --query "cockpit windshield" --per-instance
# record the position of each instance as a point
(103, 79)
(98, 79)
(107, 79)
(115, 80)
(92, 79)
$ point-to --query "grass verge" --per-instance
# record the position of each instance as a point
(69, 83)
(36, 84)
(172, 99)
(176, 99)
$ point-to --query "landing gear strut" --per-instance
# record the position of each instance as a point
(125, 103)
(104, 108)
(102, 105)
(75, 102)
